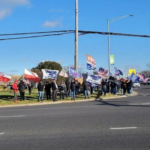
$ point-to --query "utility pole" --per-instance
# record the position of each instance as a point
(76, 37)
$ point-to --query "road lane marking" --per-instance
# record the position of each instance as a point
(140, 104)
(1, 133)
(123, 128)
(12, 116)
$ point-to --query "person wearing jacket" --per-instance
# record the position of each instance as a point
(48, 90)
(15, 89)
(86, 87)
(104, 87)
(73, 89)
(55, 89)
(62, 88)
(41, 91)
(77, 87)
(68, 83)
(21, 90)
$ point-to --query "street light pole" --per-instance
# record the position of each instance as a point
(109, 68)
(108, 22)
(76, 37)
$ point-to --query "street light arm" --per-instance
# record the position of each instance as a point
(118, 18)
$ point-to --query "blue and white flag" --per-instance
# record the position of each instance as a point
(50, 74)
(91, 63)
(74, 73)
(94, 79)
(118, 72)
(90, 67)
(134, 78)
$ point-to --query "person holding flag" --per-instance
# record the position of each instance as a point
(15, 88)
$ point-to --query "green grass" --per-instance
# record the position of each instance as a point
(6, 97)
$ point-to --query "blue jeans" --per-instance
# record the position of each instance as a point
(131, 90)
(86, 92)
(41, 95)
(72, 94)
(67, 93)
(113, 91)
(104, 90)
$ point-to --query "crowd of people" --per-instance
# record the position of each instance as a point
(71, 88)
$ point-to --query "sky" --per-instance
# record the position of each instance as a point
(18, 16)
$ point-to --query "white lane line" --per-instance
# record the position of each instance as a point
(123, 128)
(12, 116)
(139, 104)
(1, 133)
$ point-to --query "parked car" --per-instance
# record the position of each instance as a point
(136, 85)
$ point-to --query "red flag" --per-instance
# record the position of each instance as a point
(4, 77)
(31, 76)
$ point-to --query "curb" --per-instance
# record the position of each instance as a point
(69, 101)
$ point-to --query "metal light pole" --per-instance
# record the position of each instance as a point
(108, 22)
(76, 37)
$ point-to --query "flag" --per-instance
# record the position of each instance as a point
(94, 79)
(4, 77)
(134, 78)
(102, 72)
(26, 81)
(74, 73)
(118, 72)
(50, 74)
(64, 74)
(31, 76)
(142, 78)
(91, 63)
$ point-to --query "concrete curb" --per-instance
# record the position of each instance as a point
(69, 101)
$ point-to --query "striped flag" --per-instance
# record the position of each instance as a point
(102, 71)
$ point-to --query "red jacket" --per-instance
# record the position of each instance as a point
(15, 87)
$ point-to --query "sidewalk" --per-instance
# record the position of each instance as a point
(68, 101)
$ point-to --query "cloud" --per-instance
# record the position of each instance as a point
(7, 6)
(52, 24)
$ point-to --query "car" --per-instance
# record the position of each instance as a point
(136, 85)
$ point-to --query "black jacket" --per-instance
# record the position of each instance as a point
(68, 84)
(54, 86)
(73, 86)
(86, 86)
(21, 87)
(40, 87)
(48, 87)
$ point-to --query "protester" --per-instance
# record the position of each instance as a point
(68, 84)
(62, 88)
(86, 87)
(30, 88)
(73, 88)
(77, 87)
(55, 89)
(123, 86)
(129, 86)
(15, 89)
(21, 90)
(41, 91)
(48, 90)
(91, 89)
(113, 87)
(104, 86)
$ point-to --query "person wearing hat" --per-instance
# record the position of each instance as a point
(55, 89)
(15, 89)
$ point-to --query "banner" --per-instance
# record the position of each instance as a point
(50, 74)
(94, 79)
(91, 63)
(74, 73)
(31, 76)
(112, 59)
(118, 72)
(63, 74)
(4, 77)
(134, 78)
(132, 71)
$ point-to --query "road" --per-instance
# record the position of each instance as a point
(118, 124)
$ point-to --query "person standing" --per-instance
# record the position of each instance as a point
(21, 90)
(62, 88)
(55, 89)
(41, 91)
(68, 83)
(15, 89)
(73, 88)
(77, 87)
(104, 87)
(30, 88)
(86, 88)
(48, 90)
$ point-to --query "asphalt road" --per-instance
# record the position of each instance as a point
(118, 124)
